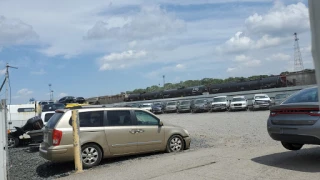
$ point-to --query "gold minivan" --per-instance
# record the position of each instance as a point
(110, 132)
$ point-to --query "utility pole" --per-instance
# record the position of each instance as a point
(7, 81)
(50, 92)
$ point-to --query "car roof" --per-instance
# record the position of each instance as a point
(219, 96)
(260, 95)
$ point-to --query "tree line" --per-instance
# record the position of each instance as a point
(191, 83)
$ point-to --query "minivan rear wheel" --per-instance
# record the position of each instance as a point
(175, 144)
(91, 155)
(292, 146)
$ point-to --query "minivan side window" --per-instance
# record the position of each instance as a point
(91, 118)
(146, 119)
(119, 118)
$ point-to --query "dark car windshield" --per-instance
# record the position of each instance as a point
(238, 99)
(157, 104)
(221, 99)
(185, 102)
(52, 107)
(280, 96)
(303, 96)
(199, 101)
(54, 120)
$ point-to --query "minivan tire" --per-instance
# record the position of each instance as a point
(94, 152)
(175, 144)
(292, 146)
(12, 141)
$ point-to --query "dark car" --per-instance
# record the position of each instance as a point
(200, 105)
(296, 121)
(184, 106)
(31, 132)
(80, 100)
(67, 99)
(157, 107)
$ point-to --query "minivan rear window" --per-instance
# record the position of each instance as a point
(54, 120)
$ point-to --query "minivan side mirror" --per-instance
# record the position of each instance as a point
(160, 123)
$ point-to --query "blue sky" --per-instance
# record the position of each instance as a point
(96, 48)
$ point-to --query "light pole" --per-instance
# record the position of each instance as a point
(164, 81)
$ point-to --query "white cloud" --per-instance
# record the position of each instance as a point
(279, 57)
(150, 22)
(272, 29)
(2, 71)
(280, 20)
(63, 95)
(24, 92)
(14, 31)
(121, 60)
(239, 42)
(180, 66)
(40, 72)
(268, 41)
(241, 58)
(231, 69)
(166, 69)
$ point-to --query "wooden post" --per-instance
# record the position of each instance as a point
(76, 142)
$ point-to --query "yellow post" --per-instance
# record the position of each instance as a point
(76, 142)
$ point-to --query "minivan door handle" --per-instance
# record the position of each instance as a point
(133, 131)
(140, 131)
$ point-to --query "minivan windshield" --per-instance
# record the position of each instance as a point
(54, 120)
(238, 99)
(185, 102)
(220, 99)
(171, 103)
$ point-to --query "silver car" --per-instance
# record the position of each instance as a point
(296, 121)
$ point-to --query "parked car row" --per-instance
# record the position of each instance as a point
(219, 103)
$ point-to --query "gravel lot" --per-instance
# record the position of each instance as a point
(242, 130)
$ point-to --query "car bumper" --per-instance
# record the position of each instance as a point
(61, 154)
(295, 134)
(187, 141)
(184, 110)
(238, 107)
(261, 106)
(219, 107)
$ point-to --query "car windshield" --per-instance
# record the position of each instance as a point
(280, 96)
(260, 97)
(157, 104)
(220, 99)
(199, 101)
(238, 99)
(185, 102)
(171, 103)
(52, 107)
(303, 96)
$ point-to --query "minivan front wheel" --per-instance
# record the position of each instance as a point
(292, 146)
(91, 155)
(175, 144)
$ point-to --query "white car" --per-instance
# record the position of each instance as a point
(146, 106)
(238, 103)
(220, 103)
(261, 101)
